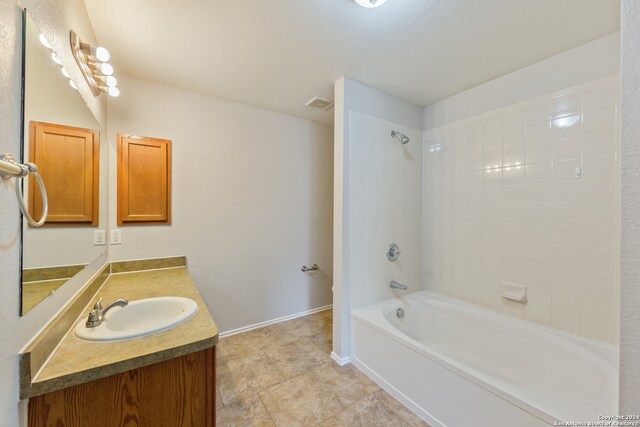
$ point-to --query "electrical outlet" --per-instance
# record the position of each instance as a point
(116, 237)
(99, 237)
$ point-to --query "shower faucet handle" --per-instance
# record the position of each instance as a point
(393, 252)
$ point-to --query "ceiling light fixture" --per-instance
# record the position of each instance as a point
(94, 66)
(370, 3)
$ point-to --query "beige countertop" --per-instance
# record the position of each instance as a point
(76, 361)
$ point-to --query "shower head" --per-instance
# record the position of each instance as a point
(401, 136)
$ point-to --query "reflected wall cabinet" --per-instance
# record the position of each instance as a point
(144, 180)
(68, 160)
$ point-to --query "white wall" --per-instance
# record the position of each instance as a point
(591, 61)
(55, 19)
(502, 203)
(251, 200)
(351, 97)
(630, 293)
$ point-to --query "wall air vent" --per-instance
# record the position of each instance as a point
(323, 104)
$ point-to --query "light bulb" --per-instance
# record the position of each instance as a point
(111, 81)
(65, 73)
(72, 84)
(106, 69)
(370, 3)
(114, 91)
(55, 58)
(102, 54)
(44, 41)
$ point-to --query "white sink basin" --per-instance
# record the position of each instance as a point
(139, 318)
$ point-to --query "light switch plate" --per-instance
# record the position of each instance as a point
(116, 237)
(99, 237)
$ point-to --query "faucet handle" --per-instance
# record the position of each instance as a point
(393, 252)
(98, 305)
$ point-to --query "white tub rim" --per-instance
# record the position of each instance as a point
(383, 326)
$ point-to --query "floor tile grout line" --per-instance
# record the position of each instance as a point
(267, 409)
(345, 407)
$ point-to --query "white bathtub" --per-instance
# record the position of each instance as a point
(456, 364)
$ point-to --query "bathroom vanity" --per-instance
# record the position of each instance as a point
(163, 379)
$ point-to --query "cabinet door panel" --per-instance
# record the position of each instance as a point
(68, 160)
(144, 181)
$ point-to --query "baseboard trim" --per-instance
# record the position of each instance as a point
(401, 397)
(340, 360)
(273, 321)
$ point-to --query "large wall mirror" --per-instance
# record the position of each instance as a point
(63, 138)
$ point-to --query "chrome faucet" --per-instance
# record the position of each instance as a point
(97, 314)
(396, 285)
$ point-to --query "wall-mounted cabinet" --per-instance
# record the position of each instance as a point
(144, 180)
(68, 160)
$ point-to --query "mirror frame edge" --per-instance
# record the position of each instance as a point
(23, 52)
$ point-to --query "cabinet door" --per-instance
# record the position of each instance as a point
(144, 180)
(68, 159)
(178, 392)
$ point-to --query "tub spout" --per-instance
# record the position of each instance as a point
(396, 285)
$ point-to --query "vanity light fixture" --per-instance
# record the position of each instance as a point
(106, 69)
(370, 3)
(114, 91)
(111, 81)
(102, 54)
(44, 41)
(56, 59)
(93, 64)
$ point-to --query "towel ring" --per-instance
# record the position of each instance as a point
(9, 168)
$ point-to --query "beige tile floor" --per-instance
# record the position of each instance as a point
(282, 375)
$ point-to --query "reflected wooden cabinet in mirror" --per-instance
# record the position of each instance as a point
(68, 160)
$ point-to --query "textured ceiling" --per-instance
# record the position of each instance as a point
(277, 54)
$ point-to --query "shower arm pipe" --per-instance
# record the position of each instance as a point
(9, 168)
(404, 139)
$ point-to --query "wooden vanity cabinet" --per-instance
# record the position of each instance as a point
(178, 392)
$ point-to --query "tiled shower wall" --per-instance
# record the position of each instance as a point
(529, 194)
